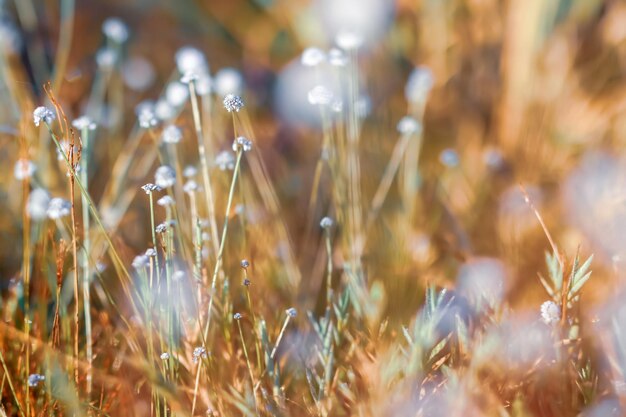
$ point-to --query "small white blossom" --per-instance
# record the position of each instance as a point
(408, 126)
(43, 114)
(225, 160)
(550, 312)
(326, 223)
(449, 157)
(190, 60)
(176, 93)
(106, 58)
(165, 201)
(228, 81)
(151, 252)
(320, 95)
(242, 143)
(24, 168)
(165, 176)
(37, 204)
(141, 261)
(337, 58)
(147, 118)
(348, 40)
(291, 312)
(312, 57)
(115, 29)
(35, 379)
(237, 316)
(190, 186)
(418, 85)
(233, 103)
(163, 110)
(172, 134)
(84, 122)
(190, 171)
(58, 208)
(165, 356)
(204, 85)
(199, 353)
(149, 188)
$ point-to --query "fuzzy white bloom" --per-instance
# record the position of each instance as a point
(449, 157)
(146, 116)
(408, 126)
(141, 261)
(190, 187)
(58, 208)
(233, 103)
(138, 73)
(242, 143)
(291, 312)
(172, 134)
(165, 201)
(165, 176)
(37, 204)
(84, 122)
(23, 169)
(189, 77)
(191, 60)
(115, 29)
(225, 160)
(176, 93)
(550, 312)
(326, 223)
(337, 58)
(320, 95)
(190, 171)
(199, 353)
(43, 114)
(163, 110)
(165, 356)
(106, 58)
(418, 85)
(35, 379)
(228, 81)
(348, 40)
(150, 252)
(312, 57)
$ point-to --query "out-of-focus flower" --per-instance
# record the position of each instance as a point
(165, 201)
(449, 157)
(320, 95)
(312, 57)
(138, 73)
(418, 85)
(176, 93)
(146, 116)
(24, 168)
(37, 204)
(326, 223)
(242, 143)
(225, 160)
(190, 171)
(35, 379)
(106, 58)
(172, 134)
(408, 126)
(150, 188)
(84, 122)
(58, 208)
(228, 81)
(550, 313)
(43, 114)
(165, 176)
(115, 29)
(191, 60)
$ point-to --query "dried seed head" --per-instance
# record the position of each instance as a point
(233, 103)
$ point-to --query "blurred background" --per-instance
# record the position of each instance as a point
(525, 92)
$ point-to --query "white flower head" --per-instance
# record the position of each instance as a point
(35, 379)
(312, 57)
(106, 58)
(190, 171)
(190, 187)
(43, 114)
(199, 353)
(326, 223)
(176, 93)
(140, 262)
(320, 96)
(337, 58)
(84, 123)
(24, 168)
(172, 134)
(165, 356)
(146, 116)
(550, 312)
(228, 81)
(163, 110)
(165, 201)
(291, 312)
(225, 160)
(242, 143)
(189, 77)
(408, 126)
(58, 208)
(348, 40)
(150, 252)
(165, 176)
(150, 188)
(115, 29)
(190, 60)
(233, 103)
(37, 204)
